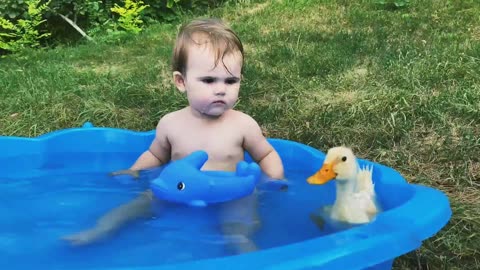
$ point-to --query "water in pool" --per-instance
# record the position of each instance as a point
(36, 211)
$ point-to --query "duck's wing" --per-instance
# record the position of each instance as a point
(364, 181)
(366, 188)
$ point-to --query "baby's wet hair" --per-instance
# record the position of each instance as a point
(212, 32)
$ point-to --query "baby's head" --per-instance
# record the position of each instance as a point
(212, 33)
(207, 66)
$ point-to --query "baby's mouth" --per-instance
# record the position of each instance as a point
(219, 102)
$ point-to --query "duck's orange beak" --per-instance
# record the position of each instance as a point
(324, 175)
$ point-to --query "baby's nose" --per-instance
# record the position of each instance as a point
(220, 90)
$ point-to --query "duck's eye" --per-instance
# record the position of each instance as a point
(344, 159)
(180, 186)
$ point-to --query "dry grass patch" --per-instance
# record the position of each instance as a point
(325, 20)
(112, 69)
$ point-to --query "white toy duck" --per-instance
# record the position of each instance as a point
(355, 201)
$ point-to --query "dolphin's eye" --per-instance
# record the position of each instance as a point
(344, 159)
(180, 186)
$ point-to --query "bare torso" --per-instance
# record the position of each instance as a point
(221, 138)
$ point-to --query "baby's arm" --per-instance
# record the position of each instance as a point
(261, 150)
(159, 151)
(156, 155)
(146, 160)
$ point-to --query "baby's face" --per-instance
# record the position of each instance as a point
(212, 90)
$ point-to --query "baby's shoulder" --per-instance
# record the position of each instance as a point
(242, 118)
(169, 119)
(239, 116)
(172, 116)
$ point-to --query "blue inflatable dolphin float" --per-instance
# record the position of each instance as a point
(182, 181)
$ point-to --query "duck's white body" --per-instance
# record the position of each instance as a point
(355, 194)
(355, 199)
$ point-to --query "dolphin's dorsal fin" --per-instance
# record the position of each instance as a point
(196, 159)
(242, 168)
(246, 169)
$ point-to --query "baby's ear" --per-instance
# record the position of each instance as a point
(179, 81)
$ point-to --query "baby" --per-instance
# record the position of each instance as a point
(207, 67)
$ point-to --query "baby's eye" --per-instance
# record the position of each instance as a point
(232, 81)
(208, 80)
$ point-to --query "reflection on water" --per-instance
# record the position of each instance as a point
(322, 219)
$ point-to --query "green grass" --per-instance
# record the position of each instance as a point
(402, 87)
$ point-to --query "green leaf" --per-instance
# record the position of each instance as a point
(7, 35)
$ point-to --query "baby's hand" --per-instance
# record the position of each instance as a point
(268, 183)
(133, 173)
(129, 176)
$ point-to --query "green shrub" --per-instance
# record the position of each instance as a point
(129, 14)
(12, 9)
(23, 33)
(95, 17)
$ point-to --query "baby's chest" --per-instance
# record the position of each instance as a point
(219, 144)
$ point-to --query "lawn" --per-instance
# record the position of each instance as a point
(399, 86)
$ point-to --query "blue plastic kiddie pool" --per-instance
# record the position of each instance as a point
(57, 184)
